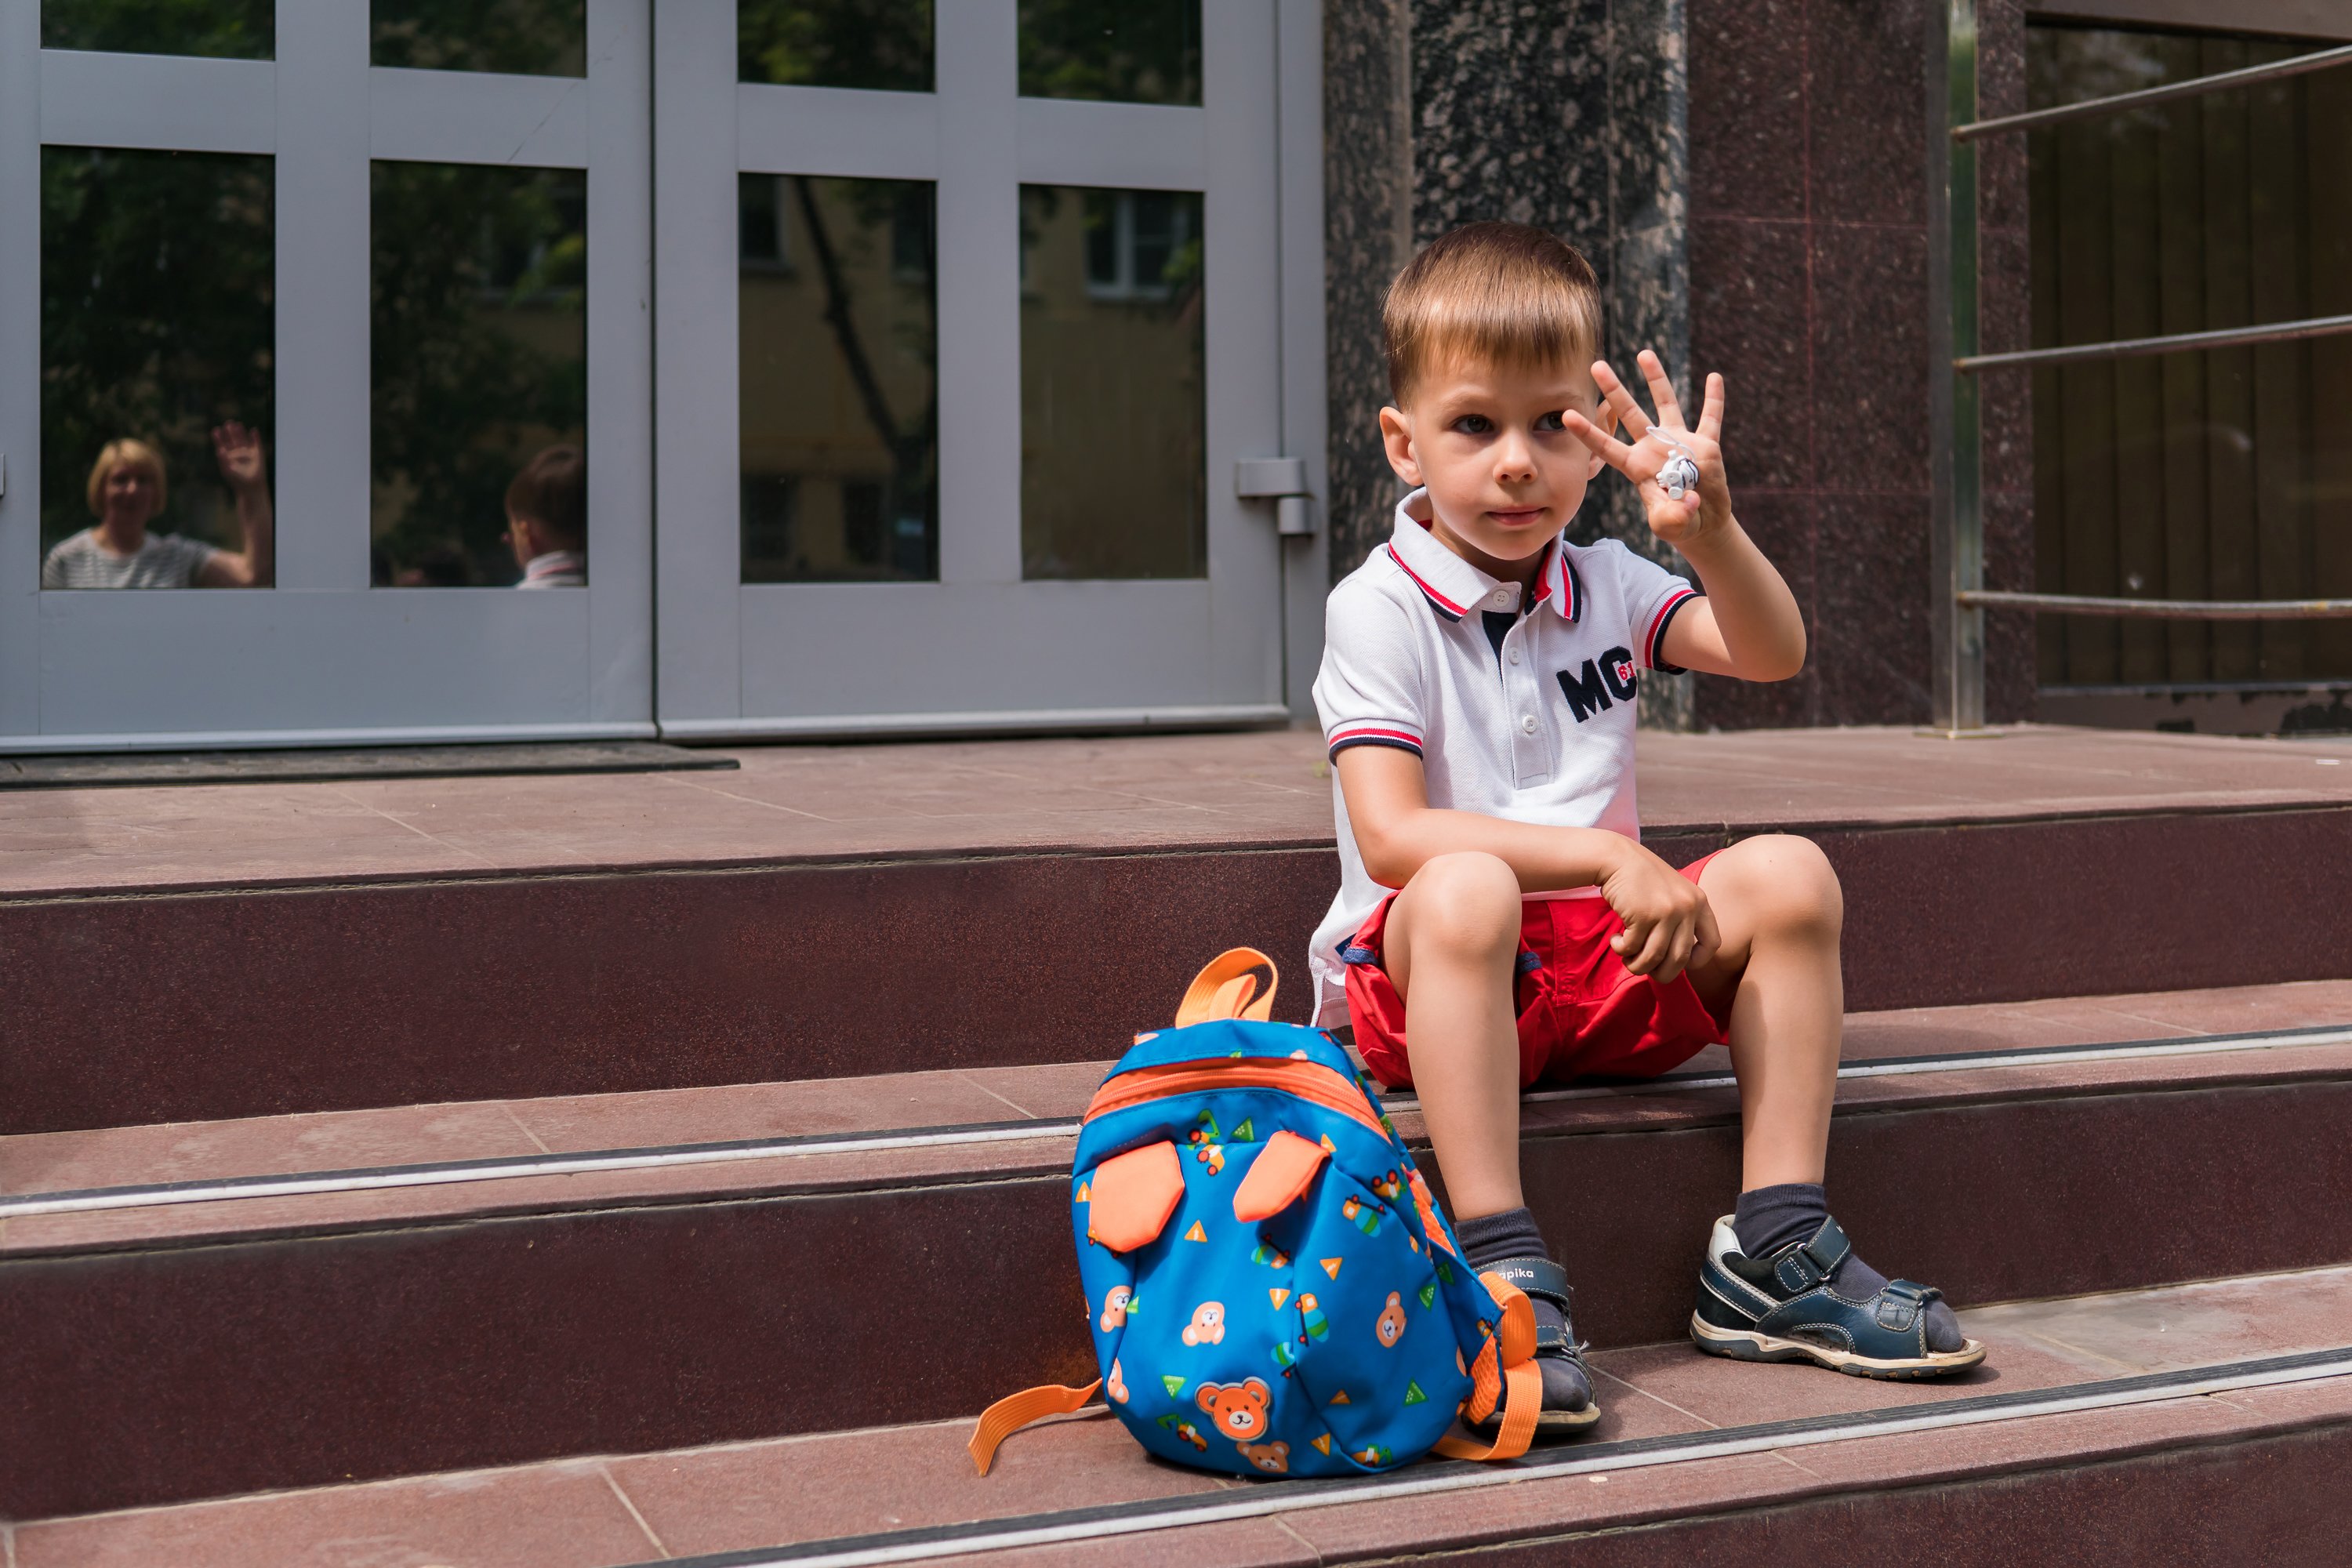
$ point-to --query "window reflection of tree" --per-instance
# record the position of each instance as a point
(524, 37)
(878, 45)
(878, 206)
(478, 334)
(216, 29)
(157, 320)
(1125, 51)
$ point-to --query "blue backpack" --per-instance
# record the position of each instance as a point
(1270, 1289)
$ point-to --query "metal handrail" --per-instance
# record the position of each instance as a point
(1956, 544)
(2175, 343)
(2195, 86)
(2160, 609)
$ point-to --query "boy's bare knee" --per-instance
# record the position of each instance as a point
(1465, 902)
(1789, 885)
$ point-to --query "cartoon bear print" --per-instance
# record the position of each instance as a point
(1237, 1408)
(1390, 1327)
(1116, 1384)
(1207, 1325)
(1114, 1312)
(1274, 1458)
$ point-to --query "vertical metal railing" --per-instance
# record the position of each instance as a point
(1956, 555)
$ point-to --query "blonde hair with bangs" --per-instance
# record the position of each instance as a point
(1494, 293)
(137, 454)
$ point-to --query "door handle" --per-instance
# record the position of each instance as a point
(1282, 480)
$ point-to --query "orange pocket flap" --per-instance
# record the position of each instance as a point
(1131, 1195)
(1277, 1176)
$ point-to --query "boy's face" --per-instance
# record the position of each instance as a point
(1502, 477)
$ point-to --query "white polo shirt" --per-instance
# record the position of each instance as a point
(1528, 716)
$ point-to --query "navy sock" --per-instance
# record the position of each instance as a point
(1490, 1239)
(1770, 1218)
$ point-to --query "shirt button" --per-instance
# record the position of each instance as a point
(1513, 656)
(1502, 598)
(1527, 722)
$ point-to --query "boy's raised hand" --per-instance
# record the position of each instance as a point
(1652, 446)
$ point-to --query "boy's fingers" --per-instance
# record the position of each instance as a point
(1662, 391)
(1623, 409)
(1609, 449)
(1710, 414)
(1655, 943)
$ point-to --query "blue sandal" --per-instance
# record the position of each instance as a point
(1783, 1308)
(1540, 1276)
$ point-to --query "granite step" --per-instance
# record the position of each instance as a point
(2200, 1423)
(671, 1298)
(232, 951)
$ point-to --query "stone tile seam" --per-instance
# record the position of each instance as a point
(1056, 1173)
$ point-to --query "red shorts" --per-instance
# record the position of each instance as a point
(1581, 1013)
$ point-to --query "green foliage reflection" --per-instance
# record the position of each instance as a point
(883, 45)
(218, 29)
(157, 319)
(1127, 51)
(524, 37)
(479, 331)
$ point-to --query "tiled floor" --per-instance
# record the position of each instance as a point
(574, 1513)
(1264, 788)
(57, 1161)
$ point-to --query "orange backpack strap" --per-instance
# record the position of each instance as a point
(1229, 988)
(1505, 1372)
(1015, 1411)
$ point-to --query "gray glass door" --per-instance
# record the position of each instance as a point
(966, 314)
(323, 331)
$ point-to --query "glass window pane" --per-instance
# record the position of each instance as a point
(479, 332)
(839, 351)
(522, 38)
(874, 43)
(220, 29)
(1111, 385)
(1128, 51)
(157, 327)
(2221, 475)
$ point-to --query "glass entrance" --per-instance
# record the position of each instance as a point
(321, 333)
(349, 351)
(966, 313)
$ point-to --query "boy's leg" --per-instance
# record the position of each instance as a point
(1777, 977)
(1451, 946)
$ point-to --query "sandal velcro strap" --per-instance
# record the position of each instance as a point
(1902, 1302)
(1801, 1267)
(1536, 1276)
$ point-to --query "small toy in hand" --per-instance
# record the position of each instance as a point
(1679, 478)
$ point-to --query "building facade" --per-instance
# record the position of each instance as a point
(926, 358)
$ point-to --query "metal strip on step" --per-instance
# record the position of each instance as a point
(1262, 1498)
(449, 1173)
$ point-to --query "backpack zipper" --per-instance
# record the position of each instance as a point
(1306, 1081)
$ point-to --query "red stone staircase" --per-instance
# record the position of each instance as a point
(676, 1174)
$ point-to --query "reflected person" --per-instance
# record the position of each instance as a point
(547, 520)
(127, 492)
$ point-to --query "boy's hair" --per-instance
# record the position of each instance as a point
(1501, 293)
(553, 491)
(127, 452)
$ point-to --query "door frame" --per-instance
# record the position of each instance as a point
(321, 658)
(723, 672)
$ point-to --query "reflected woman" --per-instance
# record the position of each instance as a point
(127, 492)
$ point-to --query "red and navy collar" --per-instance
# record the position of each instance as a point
(1452, 585)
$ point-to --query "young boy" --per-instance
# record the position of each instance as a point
(1498, 922)
(547, 520)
